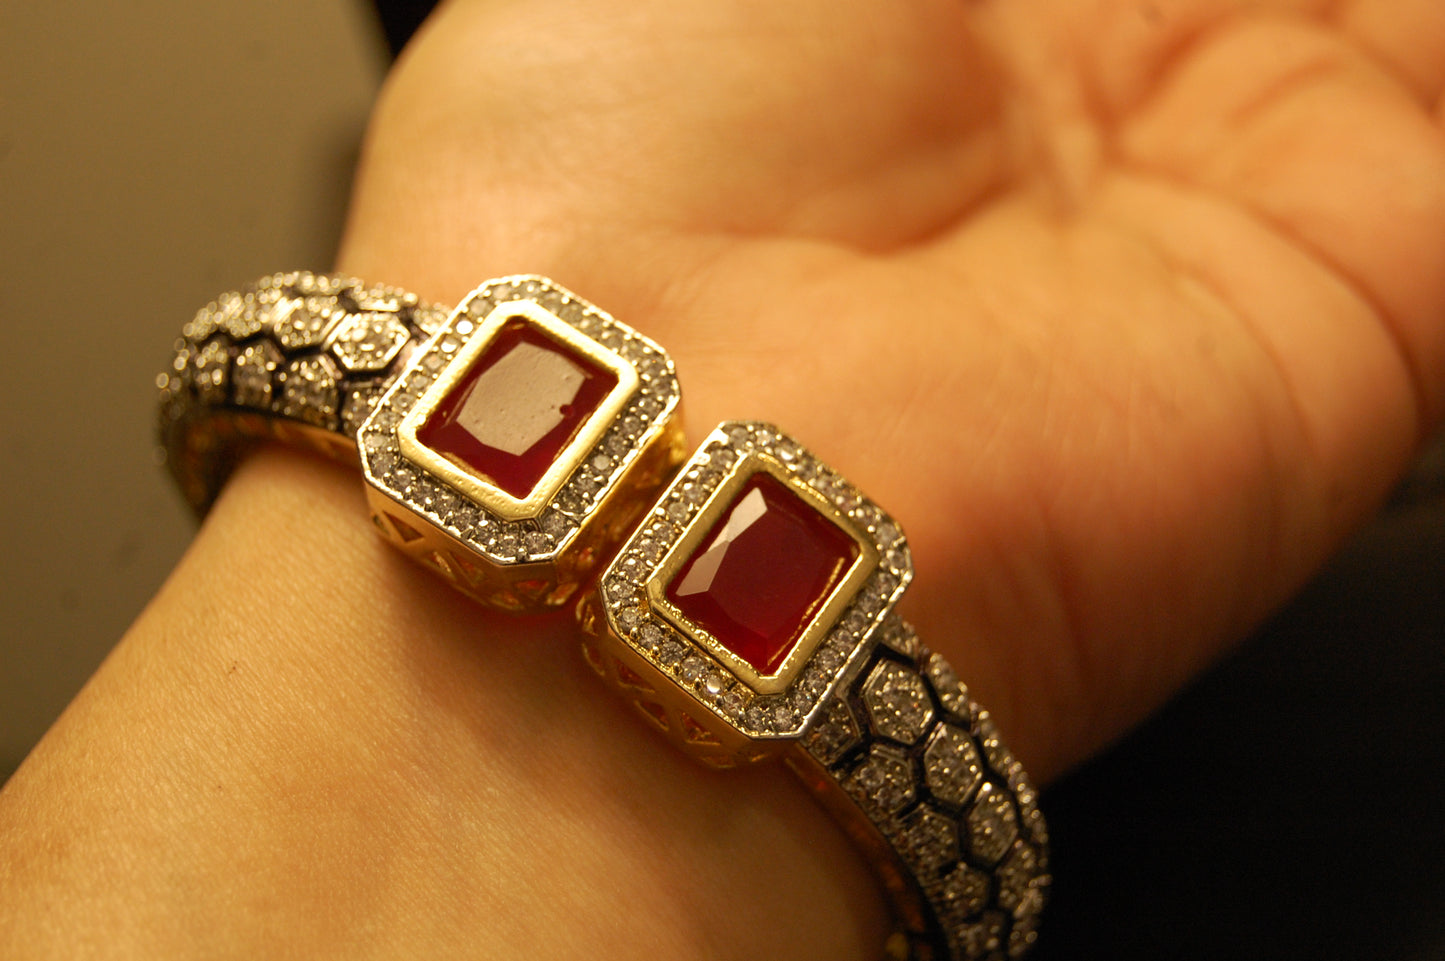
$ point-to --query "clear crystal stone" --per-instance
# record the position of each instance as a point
(555, 524)
(211, 365)
(649, 637)
(692, 669)
(356, 407)
(201, 326)
(648, 551)
(980, 939)
(731, 702)
(783, 717)
(869, 602)
(627, 619)
(812, 684)
(505, 545)
(296, 324)
(617, 444)
(671, 651)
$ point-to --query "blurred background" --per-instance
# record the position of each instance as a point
(1291, 804)
(152, 154)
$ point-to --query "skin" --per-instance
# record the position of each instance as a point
(1128, 312)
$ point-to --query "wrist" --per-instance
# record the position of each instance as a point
(316, 734)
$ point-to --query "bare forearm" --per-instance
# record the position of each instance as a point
(308, 747)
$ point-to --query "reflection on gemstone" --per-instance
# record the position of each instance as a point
(514, 412)
(756, 582)
(520, 399)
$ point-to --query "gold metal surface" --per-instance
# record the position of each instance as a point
(672, 709)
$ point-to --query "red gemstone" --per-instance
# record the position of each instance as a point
(514, 412)
(756, 581)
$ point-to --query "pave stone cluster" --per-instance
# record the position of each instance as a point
(924, 764)
(543, 537)
(300, 356)
(692, 667)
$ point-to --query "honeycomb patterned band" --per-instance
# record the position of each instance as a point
(924, 765)
(746, 608)
(299, 357)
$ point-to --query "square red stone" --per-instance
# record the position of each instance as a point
(517, 407)
(758, 578)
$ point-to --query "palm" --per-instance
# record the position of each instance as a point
(1126, 319)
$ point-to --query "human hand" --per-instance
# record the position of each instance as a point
(1128, 312)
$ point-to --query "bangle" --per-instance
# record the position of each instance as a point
(528, 447)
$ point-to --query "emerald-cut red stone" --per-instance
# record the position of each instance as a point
(515, 410)
(758, 578)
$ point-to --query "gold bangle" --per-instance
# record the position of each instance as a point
(518, 443)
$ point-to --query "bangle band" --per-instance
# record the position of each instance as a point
(297, 357)
(518, 443)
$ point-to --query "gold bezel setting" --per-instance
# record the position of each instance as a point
(591, 467)
(480, 489)
(829, 611)
(841, 631)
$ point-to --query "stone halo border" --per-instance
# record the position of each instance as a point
(536, 556)
(658, 634)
